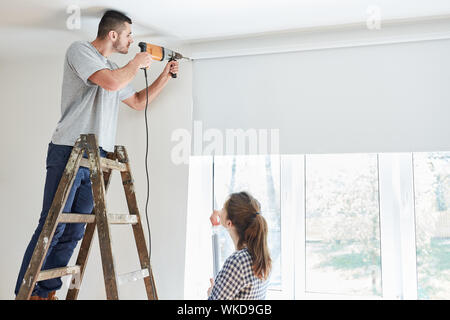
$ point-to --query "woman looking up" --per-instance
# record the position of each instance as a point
(245, 273)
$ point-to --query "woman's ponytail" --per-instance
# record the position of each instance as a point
(244, 212)
(256, 240)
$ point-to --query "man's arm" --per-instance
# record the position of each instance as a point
(137, 101)
(113, 80)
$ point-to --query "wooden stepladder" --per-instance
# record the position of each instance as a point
(100, 174)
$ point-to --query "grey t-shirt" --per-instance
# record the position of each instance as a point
(85, 106)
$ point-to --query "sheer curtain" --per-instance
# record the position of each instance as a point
(199, 257)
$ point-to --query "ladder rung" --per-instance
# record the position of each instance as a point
(133, 276)
(58, 272)
(122, 218)
(76, 218)
(106, 164)
(90, 218)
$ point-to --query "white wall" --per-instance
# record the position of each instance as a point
(30, 109)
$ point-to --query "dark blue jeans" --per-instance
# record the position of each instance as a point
(66, 236)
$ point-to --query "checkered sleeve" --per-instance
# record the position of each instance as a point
(229, 281)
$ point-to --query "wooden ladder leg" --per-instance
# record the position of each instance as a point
(46, 236)
(104, 232)
(85, 248)
(128, 185)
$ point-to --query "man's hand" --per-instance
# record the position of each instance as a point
(171, 67)
(143, 59)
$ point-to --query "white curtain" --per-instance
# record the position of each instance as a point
(199, 258)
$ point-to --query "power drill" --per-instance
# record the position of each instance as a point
(160, 53)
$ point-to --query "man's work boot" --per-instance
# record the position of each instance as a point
(52, 296)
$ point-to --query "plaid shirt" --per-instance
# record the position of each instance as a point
(237, 281)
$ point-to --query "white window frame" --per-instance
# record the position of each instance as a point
(398, 242)
(397, 226)
(300, 244)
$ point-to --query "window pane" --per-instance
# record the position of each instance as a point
(342, 224)
(432, 206)
(260, 176)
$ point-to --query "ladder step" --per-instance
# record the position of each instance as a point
(133, 276)
(76, 218)
(106, 164)
(58, 272)
(122, 218)
(90, 218)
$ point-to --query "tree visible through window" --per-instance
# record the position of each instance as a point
(432, 202)
(342, 224)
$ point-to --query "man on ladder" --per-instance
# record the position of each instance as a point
(91, 90)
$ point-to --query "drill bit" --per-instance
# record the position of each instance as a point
(179, 56)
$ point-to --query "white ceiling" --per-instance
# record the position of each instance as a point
(42, 23)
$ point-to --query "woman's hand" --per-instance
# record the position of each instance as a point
(215, 218)
(212, 285)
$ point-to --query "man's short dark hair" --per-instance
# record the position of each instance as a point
(111, 20)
